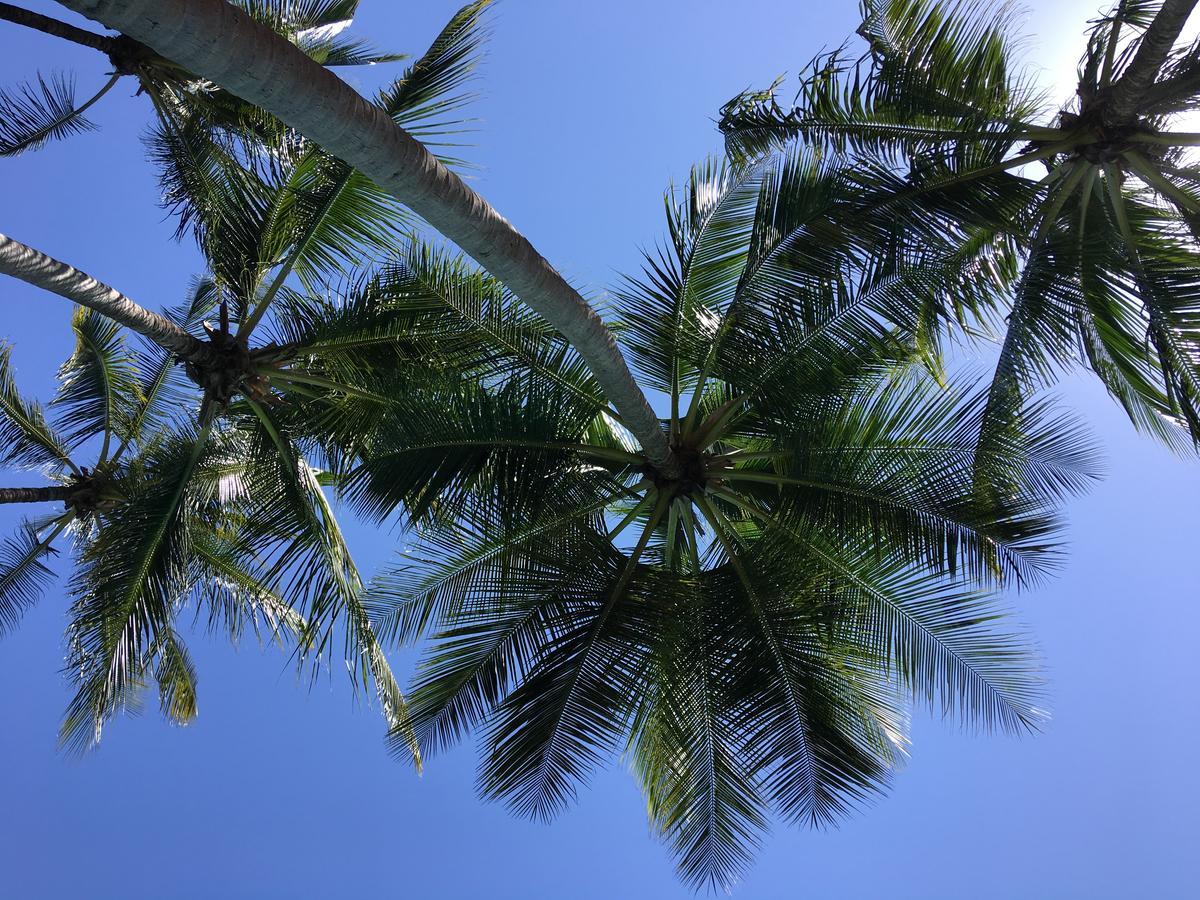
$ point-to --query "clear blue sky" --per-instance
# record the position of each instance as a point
(278, 791)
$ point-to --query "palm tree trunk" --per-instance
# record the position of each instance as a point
(34, 494)
(47, 25)
(1153, 49)
(218, 42)
(36, 268)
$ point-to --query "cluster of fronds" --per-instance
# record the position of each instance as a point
(750, 631)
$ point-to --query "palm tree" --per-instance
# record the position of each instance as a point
(940, 133)
(741, 593)
(334, 209)
(745, 632)
(35, 113)
(220, 43)
(117, 403)
(272, 233)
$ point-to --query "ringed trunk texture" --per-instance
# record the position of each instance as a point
(34, 494)
(47, 25)
(36, 268)
(218, 42)
(1139, 76)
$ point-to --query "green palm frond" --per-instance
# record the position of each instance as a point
(226, 204)
(326, 215)
(301, 212)
(947, 645)
(167, 398)
(420, 326)
(955, 57)
(710, 223)
(99, 389)
(821, 280)
(506, 451)
(292, 16)
(24, 574)
(315, 28)
(29, 441)
(494, 618)
(128, 582)
(903, 467)
(233, 597)
(939, 130)
(702, 799)
(428, 587)
(1164, 268)
(332, 211)
(427, 97)
(33, 114)
(576, 697)
(176, 678)
(309, 563)
(940, 76)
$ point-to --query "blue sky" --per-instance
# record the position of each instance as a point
(279, 790)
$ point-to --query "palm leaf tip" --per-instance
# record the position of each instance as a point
(24, 574)
(29, 441)
(176, 677)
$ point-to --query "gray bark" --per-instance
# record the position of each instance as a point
(222, 44)
(1153, 49)
(34, 494)
(36, 268)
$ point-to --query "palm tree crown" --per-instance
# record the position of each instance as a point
(745, 631)
(941, 132)
(118, 403)
(744, 594)
(232, 464)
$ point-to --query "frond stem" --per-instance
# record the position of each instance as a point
(1160, 183)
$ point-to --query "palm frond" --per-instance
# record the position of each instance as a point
(578, 697)
(24, 574)
(309, 563)
(432, 584)
(940, 77)
(484, 451)
(904, 466)
(28, 440)
(429, 92)
(33, 114)
(234, 597)
(176, 678)
(686, 754)
(99, 388)
(128, 583)
(167, 398)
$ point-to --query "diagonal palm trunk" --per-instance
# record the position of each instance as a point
(36, 268)
(1139, 76)
(34, 494)
(222, 44)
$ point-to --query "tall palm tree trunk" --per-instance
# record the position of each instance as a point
(218, 42)
(36, 268)
(47, 25)
(34, 494)
(1153, 50)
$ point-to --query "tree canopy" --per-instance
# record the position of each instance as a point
(743, 587)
